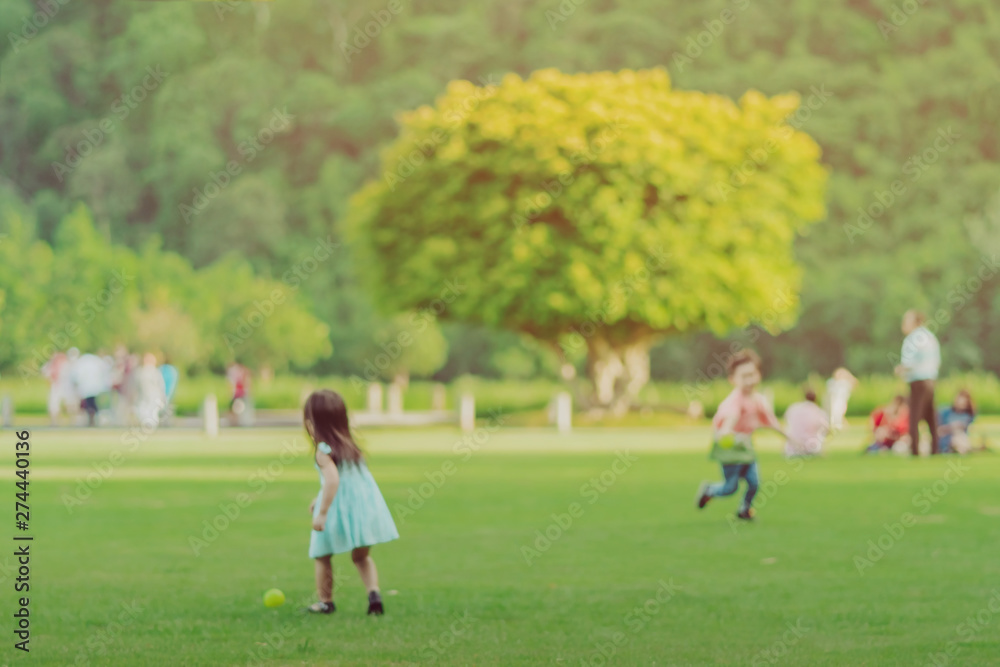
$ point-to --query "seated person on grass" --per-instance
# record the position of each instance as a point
(954, 422)
(806, 425)
(889, 424)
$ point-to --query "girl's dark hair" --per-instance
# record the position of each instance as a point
(744, 356)
(810, 394)
(971, 410)
(328, 414)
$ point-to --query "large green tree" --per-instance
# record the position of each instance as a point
(598, 210)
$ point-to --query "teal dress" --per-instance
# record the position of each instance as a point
(358, 515)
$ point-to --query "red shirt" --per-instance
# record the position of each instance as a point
(899, 425)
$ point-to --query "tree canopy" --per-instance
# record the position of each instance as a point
(137, 109)
(606, 207)
(85, 292)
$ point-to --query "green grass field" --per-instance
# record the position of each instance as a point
(638, 577)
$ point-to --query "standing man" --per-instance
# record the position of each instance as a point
(919, 364)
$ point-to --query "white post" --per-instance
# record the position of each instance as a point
(439, 397)
(8, 412)
(467, 413)
(375, 398)
(395, 399)
(211, 416)
(564, 412)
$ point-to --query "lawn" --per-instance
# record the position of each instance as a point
(629, 572)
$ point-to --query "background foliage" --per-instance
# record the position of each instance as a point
(163, 97)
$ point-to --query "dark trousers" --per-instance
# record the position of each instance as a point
(922, 409)
(89, 404)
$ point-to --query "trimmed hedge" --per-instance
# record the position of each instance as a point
(511, 396)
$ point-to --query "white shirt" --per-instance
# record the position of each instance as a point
(91, 376)
(921, 355)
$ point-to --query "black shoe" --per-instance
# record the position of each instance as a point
(702, 498)
(747, 515)
(375, 604)
(322, 608)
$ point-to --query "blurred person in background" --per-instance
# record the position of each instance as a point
(59, 372)
(239, 380)
(920, 361)
(121, 385)
(170, 377)
(91, 377)
(150, 393)
(954, 422)
(890, 424)
(838, 393)
(807, 425)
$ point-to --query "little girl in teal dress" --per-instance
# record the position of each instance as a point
(349, 514)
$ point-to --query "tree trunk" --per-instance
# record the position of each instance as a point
(618, 373)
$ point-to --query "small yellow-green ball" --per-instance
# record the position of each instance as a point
(274, 598)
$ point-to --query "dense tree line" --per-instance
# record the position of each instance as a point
(242, 129)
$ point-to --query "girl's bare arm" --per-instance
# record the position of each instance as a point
(331, 479)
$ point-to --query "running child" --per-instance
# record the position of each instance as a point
(349, 514)
(741, 413)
